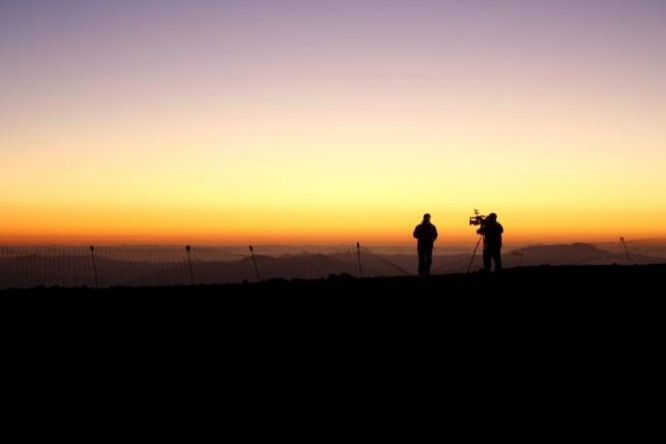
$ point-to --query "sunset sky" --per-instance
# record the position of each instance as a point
(305, 121)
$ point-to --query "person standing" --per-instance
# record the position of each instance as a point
(491, 230)
(426, 235)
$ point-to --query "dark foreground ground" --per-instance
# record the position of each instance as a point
(532, 353)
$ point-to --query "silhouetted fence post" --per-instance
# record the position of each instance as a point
(358, 252)
(625, 250)
(189, 260)
(520, 253)
(254, 262)
(92, 254)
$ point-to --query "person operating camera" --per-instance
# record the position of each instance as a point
(491, 230)
(426, 235)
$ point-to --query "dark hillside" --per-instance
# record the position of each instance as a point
(536, 345)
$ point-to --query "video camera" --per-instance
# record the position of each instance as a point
(477, 219)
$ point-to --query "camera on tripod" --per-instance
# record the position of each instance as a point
(477, 219)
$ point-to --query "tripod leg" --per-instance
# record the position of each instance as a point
(474, 254)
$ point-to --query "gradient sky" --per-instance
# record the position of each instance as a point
(305, 121)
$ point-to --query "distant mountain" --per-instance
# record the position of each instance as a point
(572, 254)
(631, 247)
(580, 254)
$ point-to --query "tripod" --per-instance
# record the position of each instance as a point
(474, 254)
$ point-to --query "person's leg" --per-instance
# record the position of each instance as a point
(487, 258)
(498, 260)
(428, 262)
(421, 254)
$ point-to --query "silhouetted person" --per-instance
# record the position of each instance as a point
(426, 234)
(491, 230)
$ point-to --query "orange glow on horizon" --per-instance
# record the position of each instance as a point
(226, 228)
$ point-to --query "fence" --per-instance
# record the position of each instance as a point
(144, 265)
(92, 266)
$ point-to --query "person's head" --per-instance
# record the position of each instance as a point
(426, 217)
(492, 217)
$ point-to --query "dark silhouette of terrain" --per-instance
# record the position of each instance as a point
(531, 352)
